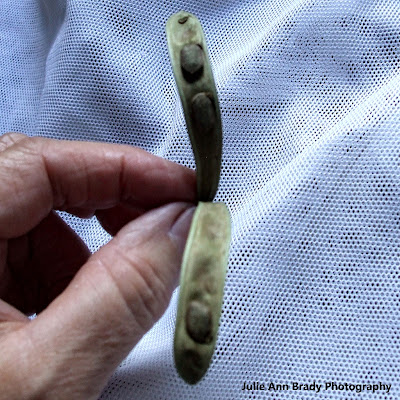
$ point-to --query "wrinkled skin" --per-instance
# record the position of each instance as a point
(92, 309)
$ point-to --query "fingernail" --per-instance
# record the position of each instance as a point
(179, 231)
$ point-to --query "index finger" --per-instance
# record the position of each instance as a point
(39, 174)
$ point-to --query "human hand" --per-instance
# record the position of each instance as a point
(92, 309)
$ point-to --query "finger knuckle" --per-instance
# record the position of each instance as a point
(144, 290)
(9, 139)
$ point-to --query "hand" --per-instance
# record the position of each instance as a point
(92, 309)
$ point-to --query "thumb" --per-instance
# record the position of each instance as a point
(115, 298)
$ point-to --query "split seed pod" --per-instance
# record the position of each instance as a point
(201, 290)
(206, 253)
(193, 75)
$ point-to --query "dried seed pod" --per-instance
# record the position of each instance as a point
(207, 247)
(204, 260)
(192, 61)
(193, 75)
(199, 322)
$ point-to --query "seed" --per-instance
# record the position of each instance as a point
(194, 359)
(192, 61)
(183, 19)
(198, 322)
(210, 285)
(203, 112)
(195, 366)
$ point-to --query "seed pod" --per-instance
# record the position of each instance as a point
(206, 253)
(193, 74)
(192, 61)
(204, 260)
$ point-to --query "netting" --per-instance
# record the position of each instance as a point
(310, 101)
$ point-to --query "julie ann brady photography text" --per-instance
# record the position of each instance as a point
(378, 387)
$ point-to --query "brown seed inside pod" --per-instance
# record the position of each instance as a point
(192, 61)
(203, 112)
(183, 19)
(199, 322)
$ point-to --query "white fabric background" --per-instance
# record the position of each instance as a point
(310, 100)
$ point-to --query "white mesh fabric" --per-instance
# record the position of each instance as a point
(310, 101)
